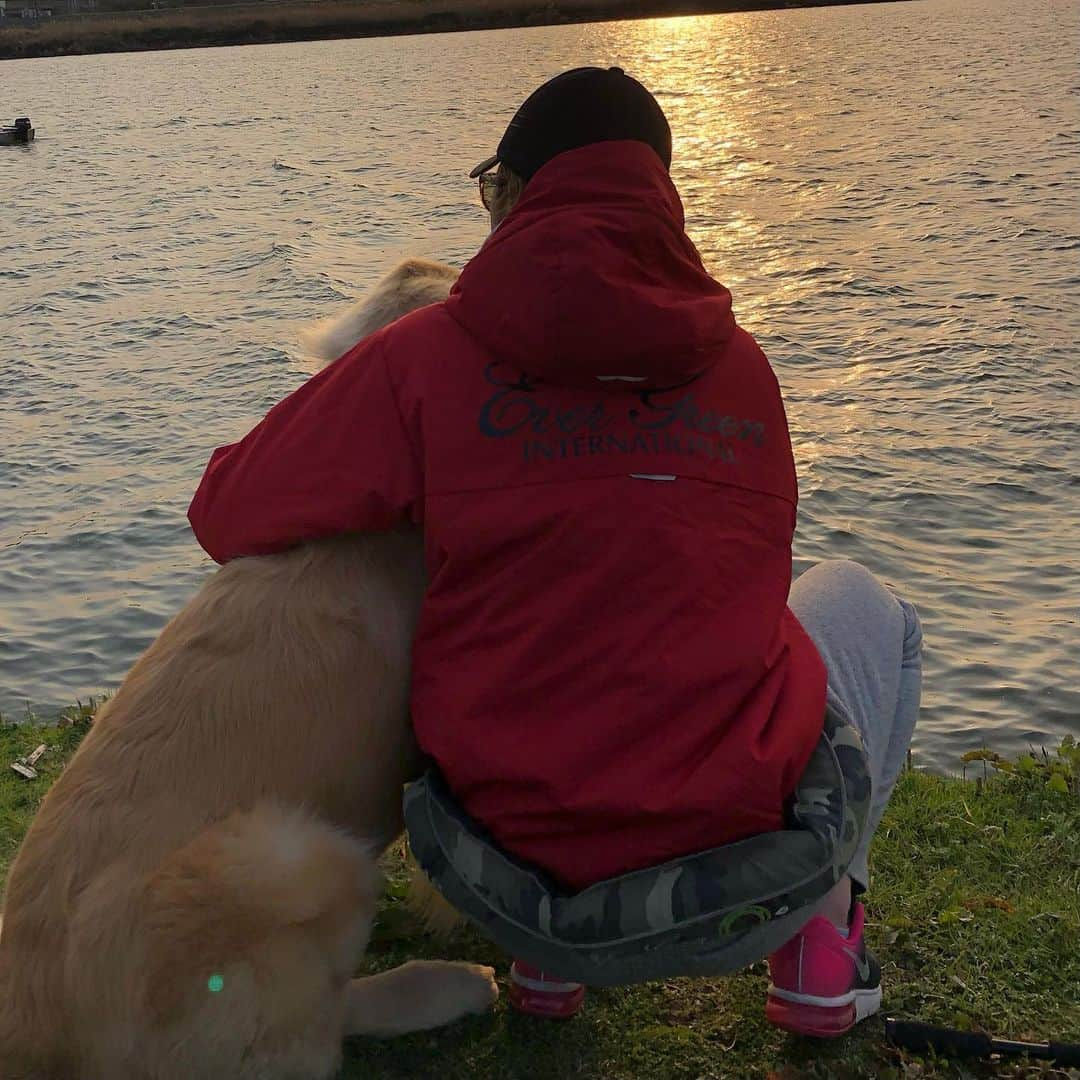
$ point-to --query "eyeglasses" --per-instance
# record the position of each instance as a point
(490, 183)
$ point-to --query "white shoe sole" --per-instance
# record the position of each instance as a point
(867, 1002)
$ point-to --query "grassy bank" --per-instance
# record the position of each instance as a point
(261, 23)
(974, 913)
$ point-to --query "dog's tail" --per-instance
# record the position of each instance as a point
(235, 950)
(215, 902)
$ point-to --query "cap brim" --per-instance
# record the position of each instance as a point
(484, 166)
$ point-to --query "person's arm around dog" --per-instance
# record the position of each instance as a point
(333, 457)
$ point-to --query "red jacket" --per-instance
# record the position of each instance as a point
(605, 667)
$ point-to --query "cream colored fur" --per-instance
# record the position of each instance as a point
(414, 284)
(222, 818)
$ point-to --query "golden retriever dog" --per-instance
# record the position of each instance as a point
(198, 886)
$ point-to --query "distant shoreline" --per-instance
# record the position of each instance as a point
(311, 20)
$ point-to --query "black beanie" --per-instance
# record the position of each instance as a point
(580, 107)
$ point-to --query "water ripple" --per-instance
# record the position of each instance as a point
(888, 190)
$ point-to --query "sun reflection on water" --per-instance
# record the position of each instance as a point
(886, 189)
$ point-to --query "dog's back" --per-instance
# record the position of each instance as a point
(175, 837)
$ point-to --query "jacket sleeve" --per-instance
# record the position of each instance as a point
(332, 457)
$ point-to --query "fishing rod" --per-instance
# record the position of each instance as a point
(919, 1038)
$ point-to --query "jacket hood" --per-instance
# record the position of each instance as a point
(592, 276)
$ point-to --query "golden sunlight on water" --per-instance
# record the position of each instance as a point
(888, 190)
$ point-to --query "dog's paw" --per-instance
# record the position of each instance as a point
(483, 988)
(462, 988)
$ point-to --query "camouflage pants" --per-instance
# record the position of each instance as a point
(871, 643)
(712, 912)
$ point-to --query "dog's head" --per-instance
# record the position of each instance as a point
(412, 284)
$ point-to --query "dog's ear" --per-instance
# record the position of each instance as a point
(412, 284)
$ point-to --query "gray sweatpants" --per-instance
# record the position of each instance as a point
(871, 643)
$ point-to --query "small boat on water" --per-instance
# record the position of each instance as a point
(19, 134)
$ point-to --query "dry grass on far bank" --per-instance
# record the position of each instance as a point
(305, 20)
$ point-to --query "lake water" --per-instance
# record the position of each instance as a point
(890, 191)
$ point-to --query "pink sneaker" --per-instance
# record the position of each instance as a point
(823, 983)
(537, 994)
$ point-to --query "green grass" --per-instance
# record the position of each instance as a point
(974, 914)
